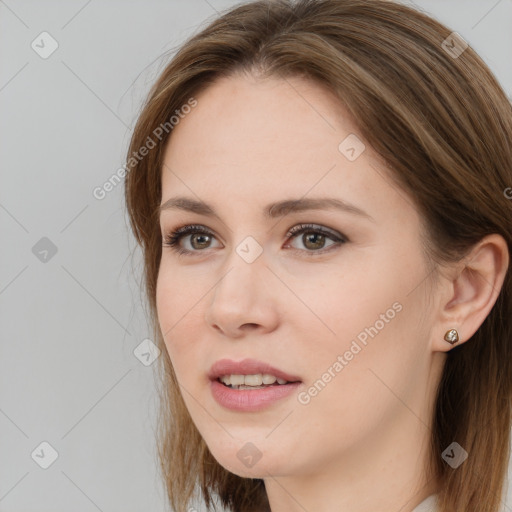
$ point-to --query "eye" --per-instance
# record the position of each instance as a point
(200, 238)
(314, 238)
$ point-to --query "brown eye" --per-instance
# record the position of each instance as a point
(199, 241)
(314, 238)
(198, 238)
(189, 239)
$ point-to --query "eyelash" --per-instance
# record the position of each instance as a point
(173, 239)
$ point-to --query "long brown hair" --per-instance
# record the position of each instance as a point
(443, 125)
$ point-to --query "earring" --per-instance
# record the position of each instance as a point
(452, 336)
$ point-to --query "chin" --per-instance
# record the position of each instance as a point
(257, 471)
(247, 461)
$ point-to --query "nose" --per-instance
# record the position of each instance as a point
(245, 299)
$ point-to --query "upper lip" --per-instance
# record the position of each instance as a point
(247, 367)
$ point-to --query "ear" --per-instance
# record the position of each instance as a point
(472, 290)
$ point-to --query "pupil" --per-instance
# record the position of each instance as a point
(201, 243)
(317, 238)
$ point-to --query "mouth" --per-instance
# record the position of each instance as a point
(249, 385)
(249, 372)
(254, 381)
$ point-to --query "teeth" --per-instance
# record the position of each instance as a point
(251, 380)
(268, 379)
(236, 380)
(226, 379)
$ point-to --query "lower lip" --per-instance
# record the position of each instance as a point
(250, 399)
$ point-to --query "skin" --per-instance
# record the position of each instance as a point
(361, 443)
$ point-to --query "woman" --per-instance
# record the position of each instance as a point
(325, 217)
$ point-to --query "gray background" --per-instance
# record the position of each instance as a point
(69, 325)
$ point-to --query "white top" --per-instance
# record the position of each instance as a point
(428, 505)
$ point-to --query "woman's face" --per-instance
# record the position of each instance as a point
(342, 306)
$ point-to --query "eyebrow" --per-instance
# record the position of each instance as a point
(272, 210)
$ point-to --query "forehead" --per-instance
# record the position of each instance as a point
(273, 139)
(243, 113)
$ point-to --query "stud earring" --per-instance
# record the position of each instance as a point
(452, 336)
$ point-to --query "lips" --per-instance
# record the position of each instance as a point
(247, 367)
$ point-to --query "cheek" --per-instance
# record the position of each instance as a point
(369, 314)
(339, 306)
(375, 352)
(177, 293)
(178, 309)
(360, 385)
